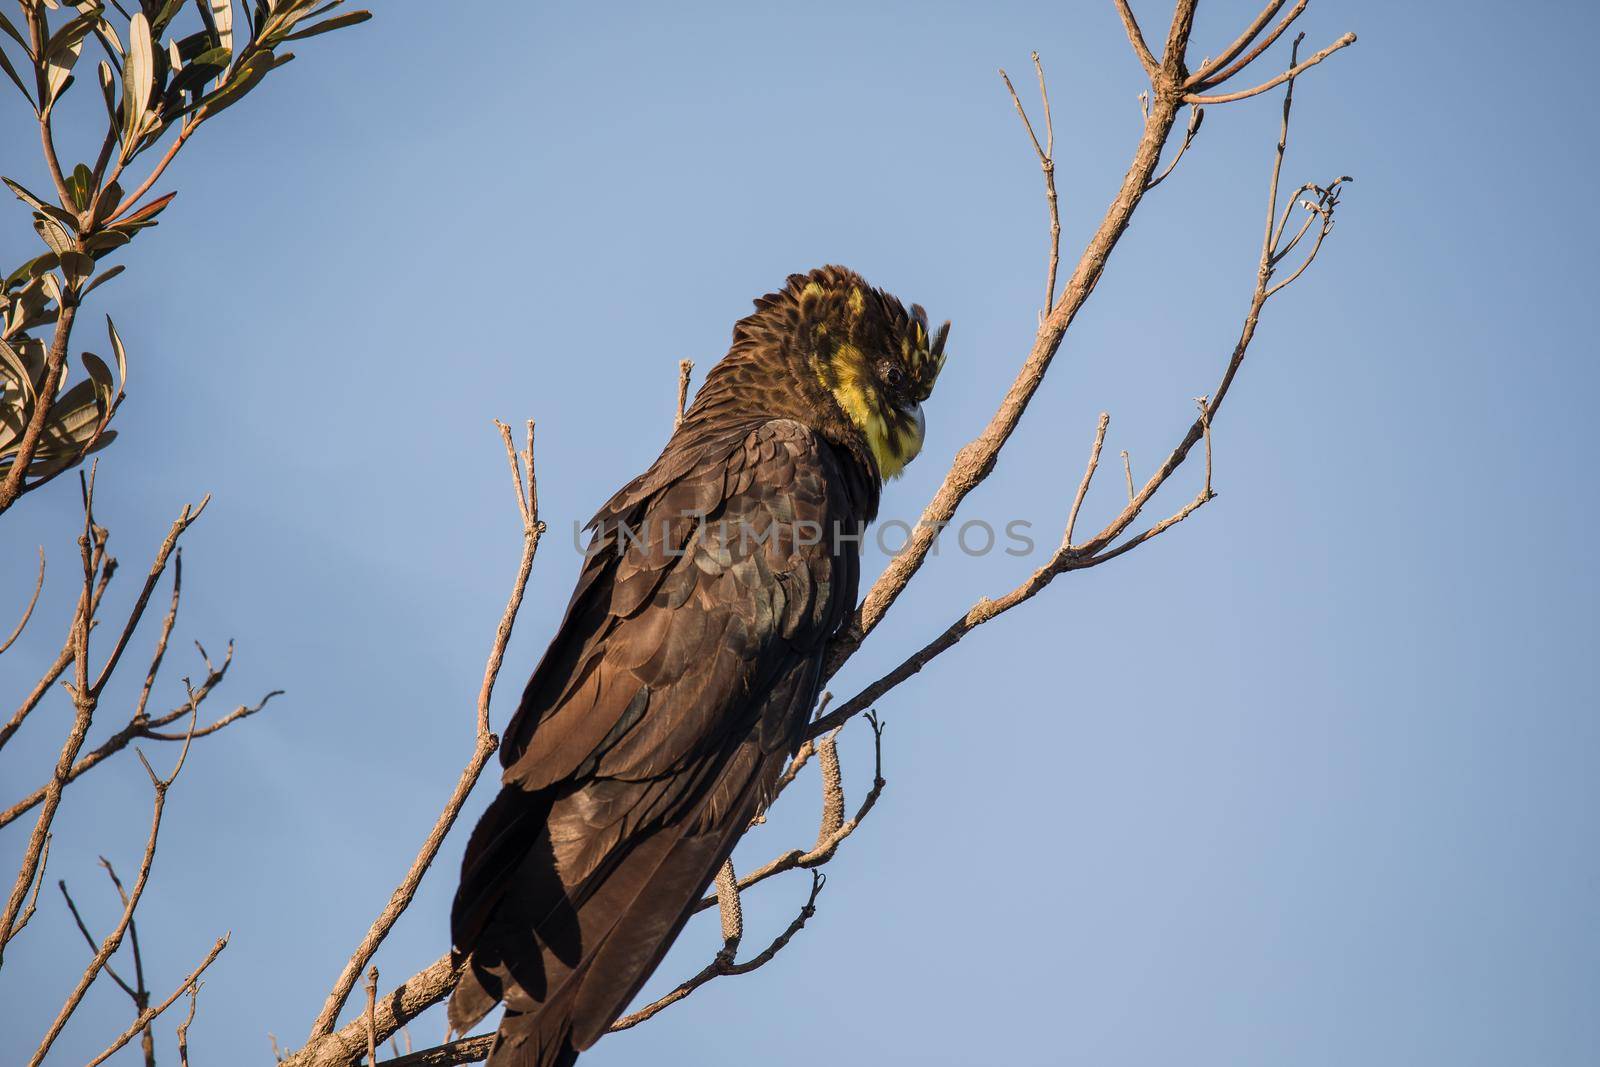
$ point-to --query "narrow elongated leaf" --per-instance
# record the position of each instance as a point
(55, 235)
(80, 186)
(100, 375)
(34, 268)
(11, 31)
(222, 17)
(148, 212)
(109, 32)
(138, 78)
(17, 371)
(23, 194)
(240, 81)
(77, 266)
(117, 350)
(61, 54)
(11, 72)
(338, 22)
(169, 10)
(108, 91)
(204, 68)
(101, 278)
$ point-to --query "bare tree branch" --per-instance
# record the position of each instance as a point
(1204, 77)
(189, 984)
(723, 963)
(1239, 45)
(27, 614)
(484, 746)
(1136, 38)
(1224, 98)
(113, 940)
(1047, 164)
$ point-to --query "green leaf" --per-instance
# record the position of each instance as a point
(241, 80)
(11, 31)
(338, 22)
(77, 266)
(101, 278)
(52, 287)
(100, 375)
(109, 33)
(106, 241)
(57, 213)
(60, 240)
(138, 78)
(31, 269)
(117, 350)
(204, 68)
(11, 72)
(80, 186)
(222, 18)
(108, 89)
(17, 371)
(168, 11)
(145, 214)
(61, 54)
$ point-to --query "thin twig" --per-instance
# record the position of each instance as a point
(1136, 38)
(150, 1014)
(484, 746)
(372, 1016)
(1088, 472)
(1047, 163)
(827, 845)
(38, 584)
(114, 939)
(721, 965)
(1242, 42)
(33, 901)
(1197, 115)
(183, 1027)
(1250, 57)
(1102, 547)
(1244, 94)
(976, 460)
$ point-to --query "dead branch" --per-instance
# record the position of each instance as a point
(107, 566)
(22, 623)
(484, 746)
(372, 1016)
(828, 839)
(1206, 74)
(183, 1027)
(974, 462)
(113, 940)
(1103, 546)
(1243, 94)
(191, 984)
(1047, 164)
(723, 963)
(1197, 116)
(33, 901)
(148, 728)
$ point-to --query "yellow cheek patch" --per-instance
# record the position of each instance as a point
(893, 442)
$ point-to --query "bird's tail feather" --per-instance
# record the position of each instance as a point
(567, 960)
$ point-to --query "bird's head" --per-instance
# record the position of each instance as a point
(877, 360)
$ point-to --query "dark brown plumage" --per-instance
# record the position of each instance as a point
(687, 664)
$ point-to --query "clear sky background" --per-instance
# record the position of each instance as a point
(1308, 781)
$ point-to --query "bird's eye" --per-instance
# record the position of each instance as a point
(894, 377)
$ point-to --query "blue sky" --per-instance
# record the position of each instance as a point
(1309, 780)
